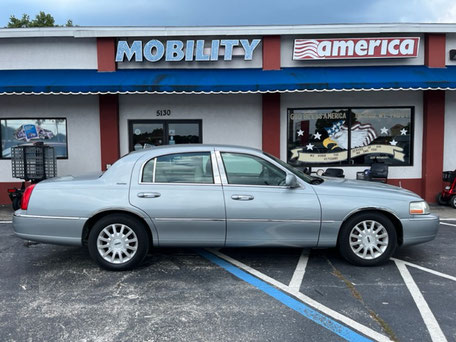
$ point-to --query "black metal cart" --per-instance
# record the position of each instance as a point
(31, 163)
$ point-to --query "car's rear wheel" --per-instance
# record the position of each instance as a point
(367, 239)
(453, 201)
(118, 242)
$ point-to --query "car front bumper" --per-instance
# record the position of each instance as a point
(419, 229)
(49, 229)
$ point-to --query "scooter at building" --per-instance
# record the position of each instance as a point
(31, 163)
(448, 195)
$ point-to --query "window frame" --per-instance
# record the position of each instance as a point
(165, 123)
(225, 174)
(34, 118)
(349, 164)
(215, 175)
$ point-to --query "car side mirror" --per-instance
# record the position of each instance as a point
(291, 181)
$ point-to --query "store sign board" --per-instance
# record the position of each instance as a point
(356, 48)
(190, 50)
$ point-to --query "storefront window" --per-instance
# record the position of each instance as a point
(52, 132)
(148, 133)
(350, 136)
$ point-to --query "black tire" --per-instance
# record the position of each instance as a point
(114, 223)
(16, 203)
(453, 201)
(441, 201)
(390, 241)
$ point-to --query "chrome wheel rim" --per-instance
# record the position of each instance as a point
(369, 239)
(117, 243)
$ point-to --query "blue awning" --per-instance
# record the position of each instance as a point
(226, 80)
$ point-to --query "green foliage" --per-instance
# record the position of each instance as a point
(41, 20)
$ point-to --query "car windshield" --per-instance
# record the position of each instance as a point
(296, 172)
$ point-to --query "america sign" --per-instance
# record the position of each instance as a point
(355, 48)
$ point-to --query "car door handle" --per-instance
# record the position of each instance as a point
(149, 194)
(242, 197)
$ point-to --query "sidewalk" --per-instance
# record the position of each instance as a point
(6, 212)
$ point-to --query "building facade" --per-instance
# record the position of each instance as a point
(320, 96)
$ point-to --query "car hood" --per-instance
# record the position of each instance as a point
(342, 186)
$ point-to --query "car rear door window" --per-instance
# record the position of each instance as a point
(193, 167)
(247, 169)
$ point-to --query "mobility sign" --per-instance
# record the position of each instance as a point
(355, 48)
(178, 50)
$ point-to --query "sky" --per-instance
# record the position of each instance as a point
(232, 12)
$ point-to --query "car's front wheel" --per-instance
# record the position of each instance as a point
(118, 242)
(367, 239)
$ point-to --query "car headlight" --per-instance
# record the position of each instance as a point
(419, 208)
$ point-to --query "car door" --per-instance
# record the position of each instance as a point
(260, 209)
(182, 194)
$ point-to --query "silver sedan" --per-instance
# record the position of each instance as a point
(219, 196)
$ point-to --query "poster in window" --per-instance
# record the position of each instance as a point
(52, 132)
(350, 136)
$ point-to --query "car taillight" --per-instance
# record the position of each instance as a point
(26, 196)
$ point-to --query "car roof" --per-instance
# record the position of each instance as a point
(196, 147)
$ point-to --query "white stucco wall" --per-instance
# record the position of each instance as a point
(287, 45)
(449, 151)
(227, 119)
(359, 99)
(48, 53)
(450, 45)
(83, 129)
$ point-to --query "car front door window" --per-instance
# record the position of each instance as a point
(247, 169)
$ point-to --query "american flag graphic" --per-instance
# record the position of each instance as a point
(306, 49)
(361, 134)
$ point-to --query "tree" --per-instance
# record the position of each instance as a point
(41, 20)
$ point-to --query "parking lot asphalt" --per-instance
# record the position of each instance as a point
(248, 294)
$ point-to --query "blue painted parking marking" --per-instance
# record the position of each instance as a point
(289, 301)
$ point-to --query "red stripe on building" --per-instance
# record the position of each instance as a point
(434, 50)
(108, 106)
(271, 53)
(433, 121)
(271, 124)
(109, 129)
(433, 139)
(106, 54)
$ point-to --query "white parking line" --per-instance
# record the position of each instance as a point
(305, 299)
(298, 275)
(448, 224)
(428, 317)
(437, 273)
(448, 219)
(6, 222)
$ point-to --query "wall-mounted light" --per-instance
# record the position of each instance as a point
(453, 55)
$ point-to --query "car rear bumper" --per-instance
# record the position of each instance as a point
(420, 229)
(49, 229)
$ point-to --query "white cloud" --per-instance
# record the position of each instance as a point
(447, 13)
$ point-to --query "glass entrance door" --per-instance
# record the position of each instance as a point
(148, 133)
